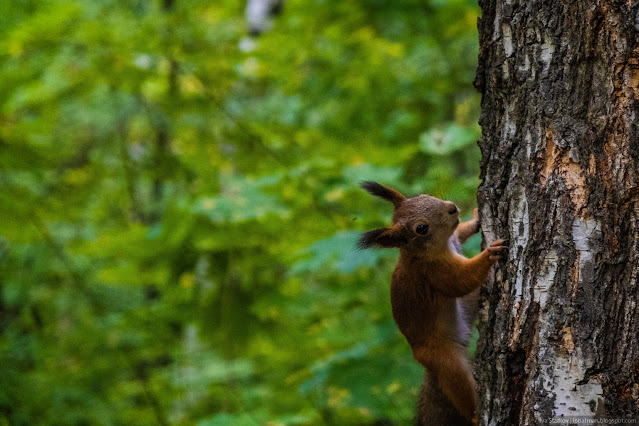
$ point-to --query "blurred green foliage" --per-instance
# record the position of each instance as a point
(178, 215)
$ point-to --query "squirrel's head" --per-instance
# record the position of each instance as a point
(418, 222)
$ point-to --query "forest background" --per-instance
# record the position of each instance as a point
(179, 204)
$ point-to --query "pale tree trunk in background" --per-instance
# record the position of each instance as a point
(259, 14)
(560, 157)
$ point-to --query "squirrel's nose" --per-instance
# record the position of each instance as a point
(452, 208)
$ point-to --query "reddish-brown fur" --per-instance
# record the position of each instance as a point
(430, 278)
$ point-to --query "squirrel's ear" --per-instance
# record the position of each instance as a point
(382, 237)
(381, 191)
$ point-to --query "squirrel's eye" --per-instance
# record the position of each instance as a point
(421, 229)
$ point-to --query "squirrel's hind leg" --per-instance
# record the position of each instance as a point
(434, 408)
(448, 363)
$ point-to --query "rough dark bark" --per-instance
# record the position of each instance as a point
(560, 155)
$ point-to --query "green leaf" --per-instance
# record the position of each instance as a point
(338, 252)
(242, 201)
(449, 139)
(229, 419)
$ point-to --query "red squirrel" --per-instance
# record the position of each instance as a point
(434, 294)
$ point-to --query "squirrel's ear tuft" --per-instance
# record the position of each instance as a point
(381, 191)
(382, 237)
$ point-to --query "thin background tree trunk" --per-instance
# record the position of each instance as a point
(560, 156)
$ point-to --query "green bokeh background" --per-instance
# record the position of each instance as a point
(178, 215)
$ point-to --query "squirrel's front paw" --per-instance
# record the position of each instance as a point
(475, 221)
(495, 249)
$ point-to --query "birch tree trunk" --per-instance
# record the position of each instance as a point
(560, 156)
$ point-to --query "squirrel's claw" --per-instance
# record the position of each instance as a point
(497, 246)
(495, 249)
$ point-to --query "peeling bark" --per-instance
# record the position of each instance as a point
(560, 168)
